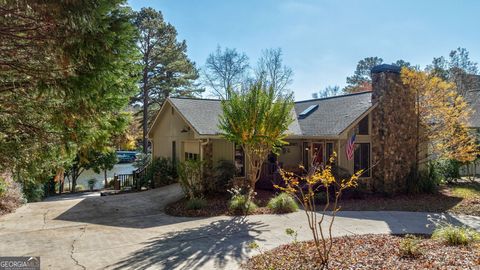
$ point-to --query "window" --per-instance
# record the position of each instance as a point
(239, 161)
(308, 111)
(191, 156)
(362, 127)
(362, 158)
(328, 151)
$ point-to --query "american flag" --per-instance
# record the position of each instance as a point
(350, 147)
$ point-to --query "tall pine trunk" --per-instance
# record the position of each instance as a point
(145, 109)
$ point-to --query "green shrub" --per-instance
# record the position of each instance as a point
(321, 197)
(3, 186)
(190, 178)
(91, 183)
(282, 203)
(223, 176)
(426, 181)
(456, 235)
(162, 171)
(448, 170)
(196, 203)
(79, 187)
(241, 203)
(410, 246)
(142, 160)
(33, 191)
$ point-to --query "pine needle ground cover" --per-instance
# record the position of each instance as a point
(370, 252)
(459, 198)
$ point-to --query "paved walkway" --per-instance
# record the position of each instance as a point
(130, 231)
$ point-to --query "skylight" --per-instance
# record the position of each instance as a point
(308, 111)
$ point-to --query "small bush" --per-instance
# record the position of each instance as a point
(33, 191)
(162, 171)
(11, 196)
(410, 246)
(3, 186)
(282, 203)
(91, 183)
(79, 187)
(448, 170)
(426, 181)
(196, 203)
(241, 203)
(320, 197)
(111, 183)
(190, 178)
(456, 235)
(223, 176)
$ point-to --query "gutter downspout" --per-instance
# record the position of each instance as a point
(202, 144)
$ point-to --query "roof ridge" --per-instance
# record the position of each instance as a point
(339, 96)
(300, 101)
(194, 98)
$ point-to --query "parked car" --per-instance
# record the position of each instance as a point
(126, 156)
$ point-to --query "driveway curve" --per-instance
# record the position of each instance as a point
(131, 231)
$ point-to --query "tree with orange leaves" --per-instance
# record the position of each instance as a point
(442, 118)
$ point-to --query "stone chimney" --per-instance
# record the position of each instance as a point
(393, 131)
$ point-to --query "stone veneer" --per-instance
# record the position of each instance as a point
(393, 131)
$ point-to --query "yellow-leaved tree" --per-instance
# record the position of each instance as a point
(442, 118)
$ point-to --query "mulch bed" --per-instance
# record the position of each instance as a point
(441, 201)
(369, 252)
(217, 205)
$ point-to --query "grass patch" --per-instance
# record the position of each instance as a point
(240, 204)
(466, 190)
(196, 204)
(410, 246)
(456, 235)
(282, 203)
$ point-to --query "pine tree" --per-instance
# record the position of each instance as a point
(166, 68)
(67, 73)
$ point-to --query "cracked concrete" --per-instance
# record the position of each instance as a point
(72, 251)
(131, 231)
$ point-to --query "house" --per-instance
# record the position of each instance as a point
(472, 97)
(187, 128)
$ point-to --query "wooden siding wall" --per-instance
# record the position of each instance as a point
(168, 129)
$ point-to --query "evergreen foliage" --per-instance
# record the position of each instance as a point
(67, 72)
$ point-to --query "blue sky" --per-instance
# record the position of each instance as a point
(322, 41)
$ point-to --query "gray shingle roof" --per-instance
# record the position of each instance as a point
(331, 117)
(333, 114)
(202, 114)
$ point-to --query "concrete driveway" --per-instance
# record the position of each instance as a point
(130, 231)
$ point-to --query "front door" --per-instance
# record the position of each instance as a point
(317, 154)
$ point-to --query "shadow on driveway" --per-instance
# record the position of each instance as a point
(220, 241)
(132, 210)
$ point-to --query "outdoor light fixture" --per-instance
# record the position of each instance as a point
(185, 129)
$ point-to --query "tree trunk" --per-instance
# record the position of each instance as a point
(74, 185)
(417, 139)
(145, 108)
(105, 175)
